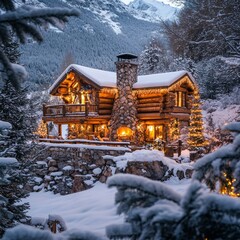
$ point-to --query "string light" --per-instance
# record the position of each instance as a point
(227, 187)
(42, 130)
(196, 138)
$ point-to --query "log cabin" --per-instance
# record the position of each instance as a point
(121, 105)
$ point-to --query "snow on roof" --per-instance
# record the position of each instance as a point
(159, 79)
(108, 79)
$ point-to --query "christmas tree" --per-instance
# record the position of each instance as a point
(196, 138)
(42, 130)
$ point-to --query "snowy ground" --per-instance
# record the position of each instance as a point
(92, 209)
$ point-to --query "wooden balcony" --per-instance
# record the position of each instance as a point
(65, 110)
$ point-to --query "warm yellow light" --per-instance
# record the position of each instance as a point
(150, 128)
(124, 131)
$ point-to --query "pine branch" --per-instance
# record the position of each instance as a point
(9, 70)
(25, 14)
(150, 187)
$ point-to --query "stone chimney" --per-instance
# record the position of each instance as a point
(124, 114)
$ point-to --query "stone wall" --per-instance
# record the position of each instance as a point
(67, 168)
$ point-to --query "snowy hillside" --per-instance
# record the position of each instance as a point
(152, 10)
(103, 30)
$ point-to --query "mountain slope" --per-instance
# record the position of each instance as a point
(103, 30)
(152, 10)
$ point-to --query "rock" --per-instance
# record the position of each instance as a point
(180, 174)
(52, 163)
(53, 169)
(78, 184)
(188, 173)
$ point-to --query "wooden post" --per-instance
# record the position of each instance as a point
(54, 227)
(63, 110)
(47, 130)
(179, 147)
(86, 108)
(44, 109)
(59, 130)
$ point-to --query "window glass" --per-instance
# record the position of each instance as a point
(180, 99)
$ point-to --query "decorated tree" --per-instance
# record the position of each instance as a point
(220, 170)
(174, 130)
(196, 138)
(42, 130)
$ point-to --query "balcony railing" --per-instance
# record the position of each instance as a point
(69, 110)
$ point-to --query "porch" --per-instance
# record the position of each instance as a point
(64, 110)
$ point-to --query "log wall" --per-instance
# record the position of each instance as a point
(106, 101)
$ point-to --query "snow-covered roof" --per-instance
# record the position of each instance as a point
(159, 79)
(108, 79)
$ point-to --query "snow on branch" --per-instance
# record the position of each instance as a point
(233, 127)
(154, 188)
(24, 14)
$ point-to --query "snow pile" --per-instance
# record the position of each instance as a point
(90, 210)
(85, 146)
(148, 156)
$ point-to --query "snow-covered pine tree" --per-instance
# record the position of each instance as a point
(14, 104)
(154, 211)
(22, 22)
(11, 180)
(214, 29)
(154, 58)
(220, 170)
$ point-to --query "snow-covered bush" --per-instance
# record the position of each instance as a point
(154, 211)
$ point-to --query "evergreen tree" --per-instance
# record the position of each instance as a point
(153, 211)
(155, 58)
(11, 182)
(196, 138)
(15, 107)
(218, 76)
(21, 22)
(214, 29)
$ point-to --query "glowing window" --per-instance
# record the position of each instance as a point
(180, 99)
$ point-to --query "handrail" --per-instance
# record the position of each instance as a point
(69, 109)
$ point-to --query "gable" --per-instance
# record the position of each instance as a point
(86, 75)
